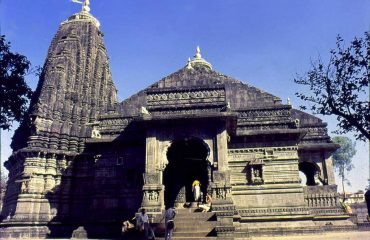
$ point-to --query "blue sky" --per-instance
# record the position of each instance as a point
(263, 43)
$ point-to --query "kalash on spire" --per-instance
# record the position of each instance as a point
(84, 15)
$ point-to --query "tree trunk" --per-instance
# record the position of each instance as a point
(344, 193)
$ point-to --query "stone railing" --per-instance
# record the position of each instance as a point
(321, 196)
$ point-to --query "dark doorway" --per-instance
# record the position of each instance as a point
(187, 161)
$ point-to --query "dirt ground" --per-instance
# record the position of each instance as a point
(326, 236)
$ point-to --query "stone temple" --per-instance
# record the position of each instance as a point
(83, 162)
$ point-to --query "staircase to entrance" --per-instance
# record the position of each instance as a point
(192, 225)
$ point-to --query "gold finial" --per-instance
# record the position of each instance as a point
(197, 53)
(85, 5)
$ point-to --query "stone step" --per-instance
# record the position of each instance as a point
(191, 224)
(182, 222)
(194, 228)
(188, 234)
(195, 215)
(196, 218)
(189, 238)
(191, 233)
(181, 210)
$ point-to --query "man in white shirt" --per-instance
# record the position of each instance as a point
(144, 221)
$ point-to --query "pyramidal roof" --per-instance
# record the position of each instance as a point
(199, 74)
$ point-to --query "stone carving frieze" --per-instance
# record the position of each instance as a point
(221, 192)
(261, 127)
(261, 150)
(258, 154)
(272, 211)
(265, 113)
(321, 131)
(185, 98)
(114, 125)
(115, 122)
(187, 111)
(151, 195)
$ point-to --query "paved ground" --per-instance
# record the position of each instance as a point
(326, 236)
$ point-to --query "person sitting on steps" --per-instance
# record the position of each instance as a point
(207, 205)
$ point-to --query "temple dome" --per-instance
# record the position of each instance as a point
(198, 61)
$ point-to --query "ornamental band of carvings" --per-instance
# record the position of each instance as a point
(262, 127)
(265, 113)
(316, 131)
(175, 98)
(187, 111)
(252, 212)
(262, 150)
(115, 122)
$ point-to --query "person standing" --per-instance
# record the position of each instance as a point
(196, 190)
(144, 221)
(169, 217)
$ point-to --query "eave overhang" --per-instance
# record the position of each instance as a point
(318, 146)
(229, 118)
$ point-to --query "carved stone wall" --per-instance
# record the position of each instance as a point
(278, 183)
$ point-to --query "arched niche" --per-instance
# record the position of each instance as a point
(311, 172)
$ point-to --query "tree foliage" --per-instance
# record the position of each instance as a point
(342, 157)
(14, 91)
(341, 87)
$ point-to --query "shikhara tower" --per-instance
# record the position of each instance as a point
(83, 163)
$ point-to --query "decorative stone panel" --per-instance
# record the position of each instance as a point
(189, 99)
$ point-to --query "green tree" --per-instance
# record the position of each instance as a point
(342, 158)
(341, 87)
(14, 91)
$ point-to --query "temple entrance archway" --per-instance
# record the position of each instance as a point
(187, 161)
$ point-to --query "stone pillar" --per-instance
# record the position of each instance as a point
(151, 152)
(222, 203)
(329, 169)
(221, 146)
(153, 194)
